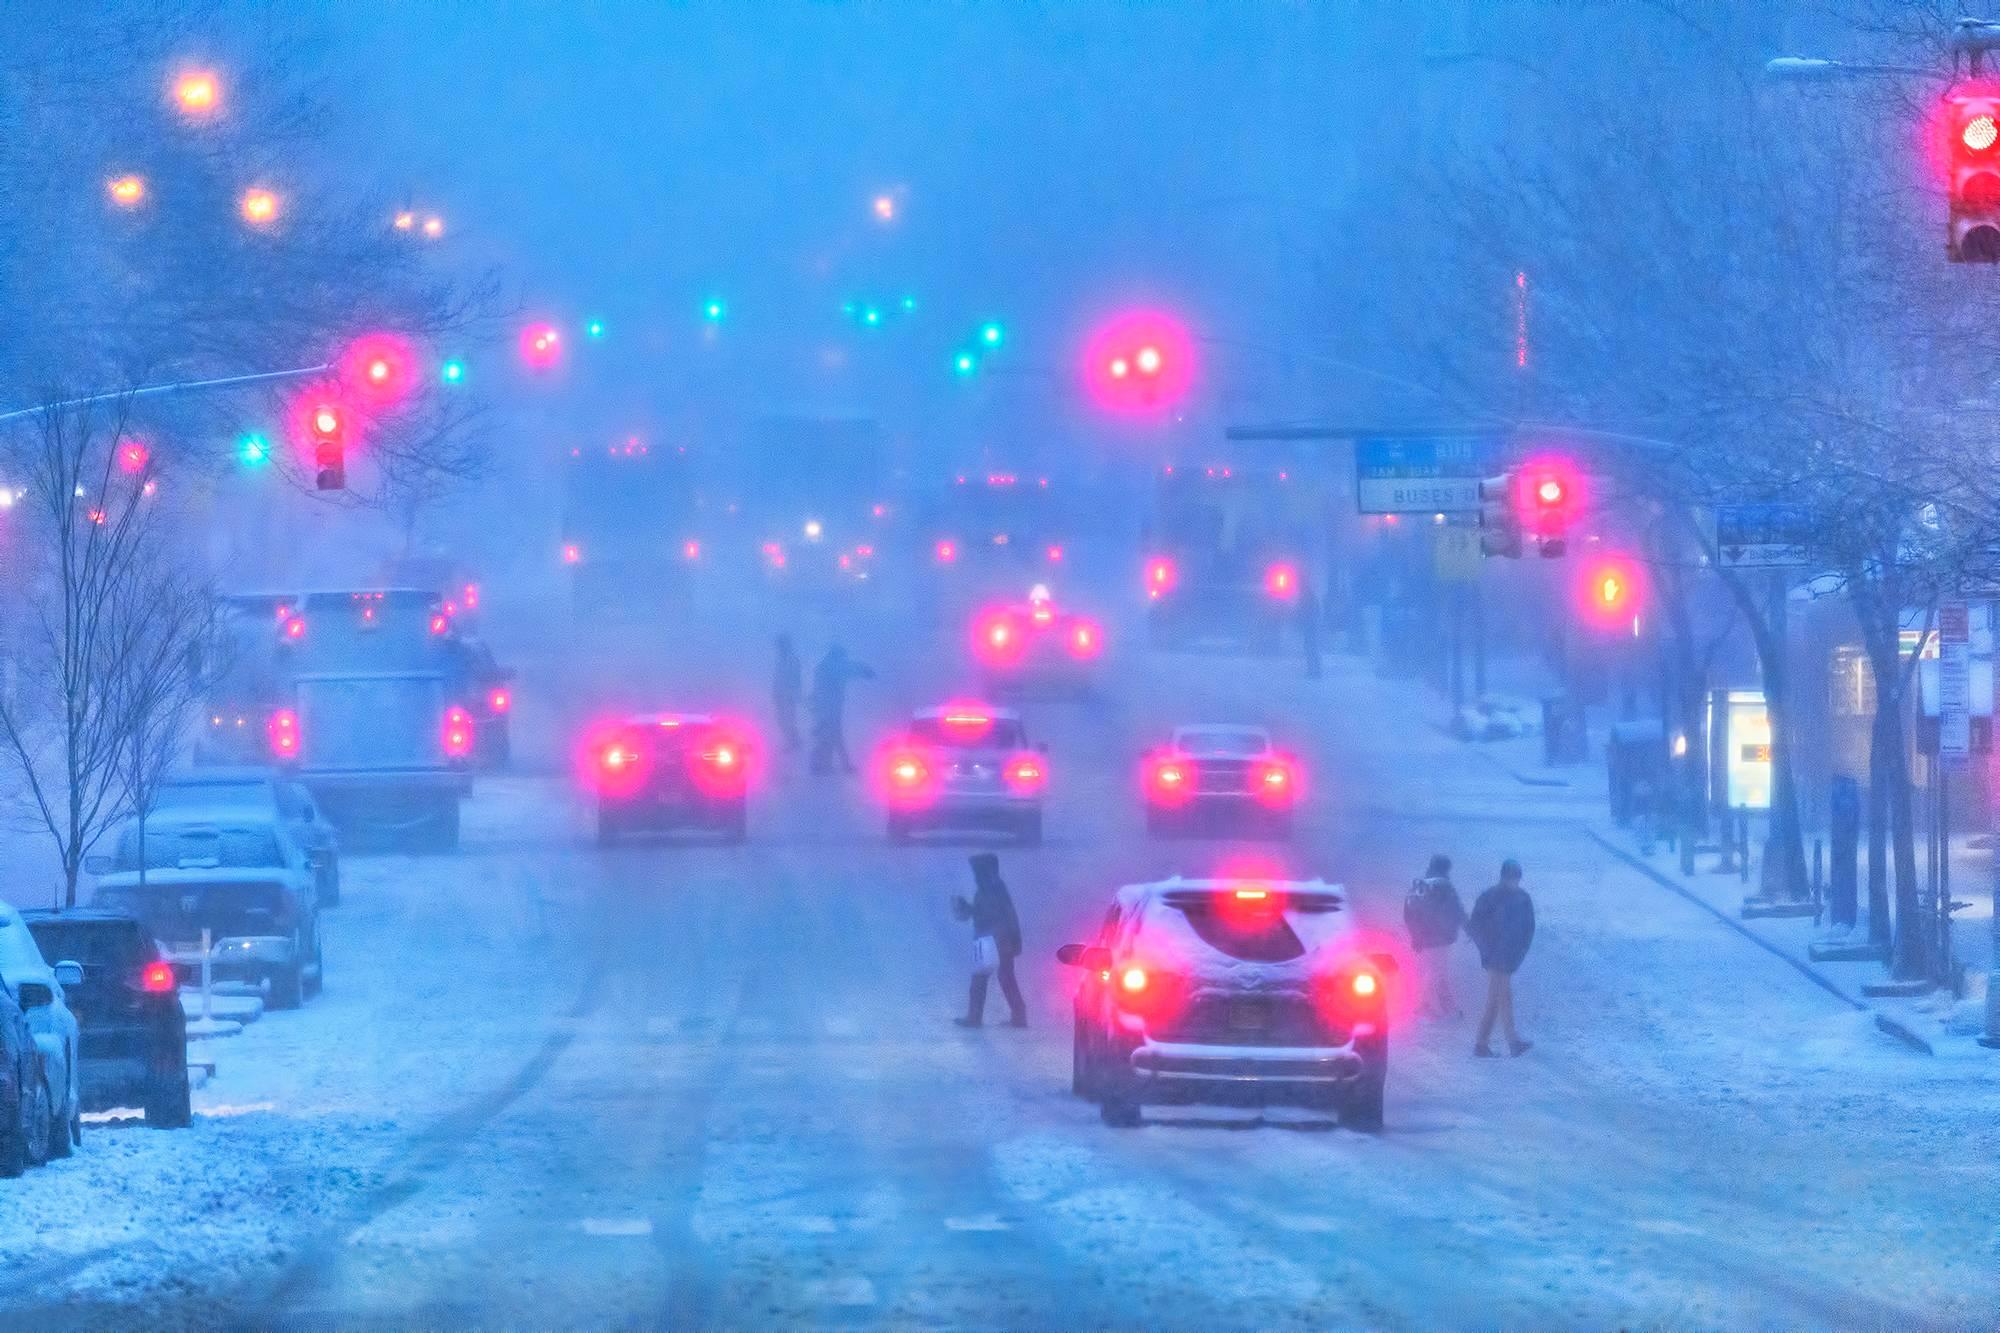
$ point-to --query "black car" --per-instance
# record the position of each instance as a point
(657, 772)
(132, 1030)
(23, 1116)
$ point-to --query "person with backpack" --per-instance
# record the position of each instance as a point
(1433, 915)
(1503, 926)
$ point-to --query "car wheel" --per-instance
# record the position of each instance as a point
(170, 1102)
(14, 1143)
(39, 1120)
(288, 987)
(317, 983)
(1079, 1062)
(1362, 1110)
(1119, 1112)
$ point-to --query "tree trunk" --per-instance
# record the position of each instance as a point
(1882, 741)
(1912, 952)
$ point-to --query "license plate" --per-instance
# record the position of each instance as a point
(1248, 1016)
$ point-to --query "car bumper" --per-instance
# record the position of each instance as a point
(1189, 1072)
(970, 810)
(673, 812)
(248, 958)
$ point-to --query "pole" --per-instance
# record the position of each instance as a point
(177, 386)
(207, 1016)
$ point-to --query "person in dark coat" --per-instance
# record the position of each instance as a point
(829, 707)
(1434, 915)
(788, 688)
(991, 912)
(1309, 625)
(1503, 926)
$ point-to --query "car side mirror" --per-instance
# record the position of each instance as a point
(34, 995)
(97, 863)
(1092, 956)
(69, 973)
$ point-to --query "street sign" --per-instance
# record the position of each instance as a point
(1954, 683)
(1762, 536)
(1421, 474)
(1455, 553)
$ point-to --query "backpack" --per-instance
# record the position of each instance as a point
(1427, 915)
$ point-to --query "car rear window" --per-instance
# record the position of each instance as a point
(178, 912)
(173, 847)
(180, 795)
(1262, 937)
(113, 945)
(1236, 744)
(1005, 734)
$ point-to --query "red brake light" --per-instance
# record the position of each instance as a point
(1133, 980)
(1364, 985)
(618, 758)
(499, 701)
(457, 736)
(157, 978)
(1160, 577)
(440, 622)
(1281, 580)
(1275, 783)
(470, 597)
(572, 553)
(1026, 774)
(282, 730)
(294, 628)
(1170, 781)
(1085, 639)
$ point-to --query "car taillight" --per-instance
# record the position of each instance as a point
(499, 701)
(157, 978)
(1281, 581)
(1170, 781)
(1026, 774)
(1274, 783)
(1160, 577)
(1043, 614)
(1085, 639)
(292, 628)
(907, 779)
(470, 596)
(999, 638)
(281, 729)
(1352, 993)
(720, 765)
(440, 622)
(1141, 987)
(1055, 554)
(457, 733)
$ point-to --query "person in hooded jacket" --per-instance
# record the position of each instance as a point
(1434, 915)
(991, 912)
(787, 689)
(1502, 925)
(829, 708)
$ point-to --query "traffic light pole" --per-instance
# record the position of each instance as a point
(160, 390)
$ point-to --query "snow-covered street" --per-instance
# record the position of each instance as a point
(668, 1085)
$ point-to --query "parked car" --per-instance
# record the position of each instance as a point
(243, 878)
(39, 991)
(133, 1032)
(252, 787)
(24, 1094)
(1234, 992)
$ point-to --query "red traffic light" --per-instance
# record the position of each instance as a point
(1971, 133)
(378, 368)
(326, 423)
(1140, 362)
(541, 346)
(1548, 497)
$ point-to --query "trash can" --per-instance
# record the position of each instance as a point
(1565, 739)
(1635, 760)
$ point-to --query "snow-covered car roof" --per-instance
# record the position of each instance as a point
(227, 813)
(1200, 738)
(20, 957)
(167, 878)
(221, 775)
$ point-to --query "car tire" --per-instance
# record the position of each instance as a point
(1031, 830)
(310, 988)
(170, 1102)
(288, 987)
(1361, 1110)
(14, 1143)
(1119, 1112)
(65, 1131)
(1080, 1080)
(39, 1121)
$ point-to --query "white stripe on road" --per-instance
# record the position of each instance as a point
(616, 1226)
(984, 1222)
(841, 1291)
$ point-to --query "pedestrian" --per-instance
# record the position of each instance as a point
(1309, 625)
(1434, 915)
(1502, 925)
(996, 941)
(788, 687)
(829, 706)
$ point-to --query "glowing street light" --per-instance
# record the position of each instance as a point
(433, 226)
(126, 191)
(406, 220)
(197, 92)
(885, 207)
(259, 207)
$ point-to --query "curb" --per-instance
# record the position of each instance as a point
(1805, 969)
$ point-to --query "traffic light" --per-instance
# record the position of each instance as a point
(1140, 363)
(1550, 497)
(541, 346)
(715, 310)
(452, 371)
(1610, 594)
(253, 450)
(964, 365)
(992, 333)
(1972, 124)
(1499, 517)
(326, 423)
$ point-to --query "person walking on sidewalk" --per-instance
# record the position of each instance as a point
(996, 941)
(1502, 925)
(1434, 915)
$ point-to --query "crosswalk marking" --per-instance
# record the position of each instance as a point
(616, 1226)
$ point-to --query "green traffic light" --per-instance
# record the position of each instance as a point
(715, 311)
(965, 363)
(253, 451)
(871, 316)
(992, 334)
(452, 371)
(594, 329)
(909, 305)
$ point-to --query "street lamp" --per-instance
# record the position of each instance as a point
(259, 207)
(197, 93)
(127, 191)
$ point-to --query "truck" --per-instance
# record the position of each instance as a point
(1230, 551)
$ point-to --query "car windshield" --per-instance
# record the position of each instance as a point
(1000, 733)
(179, 795)
(177, 912)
